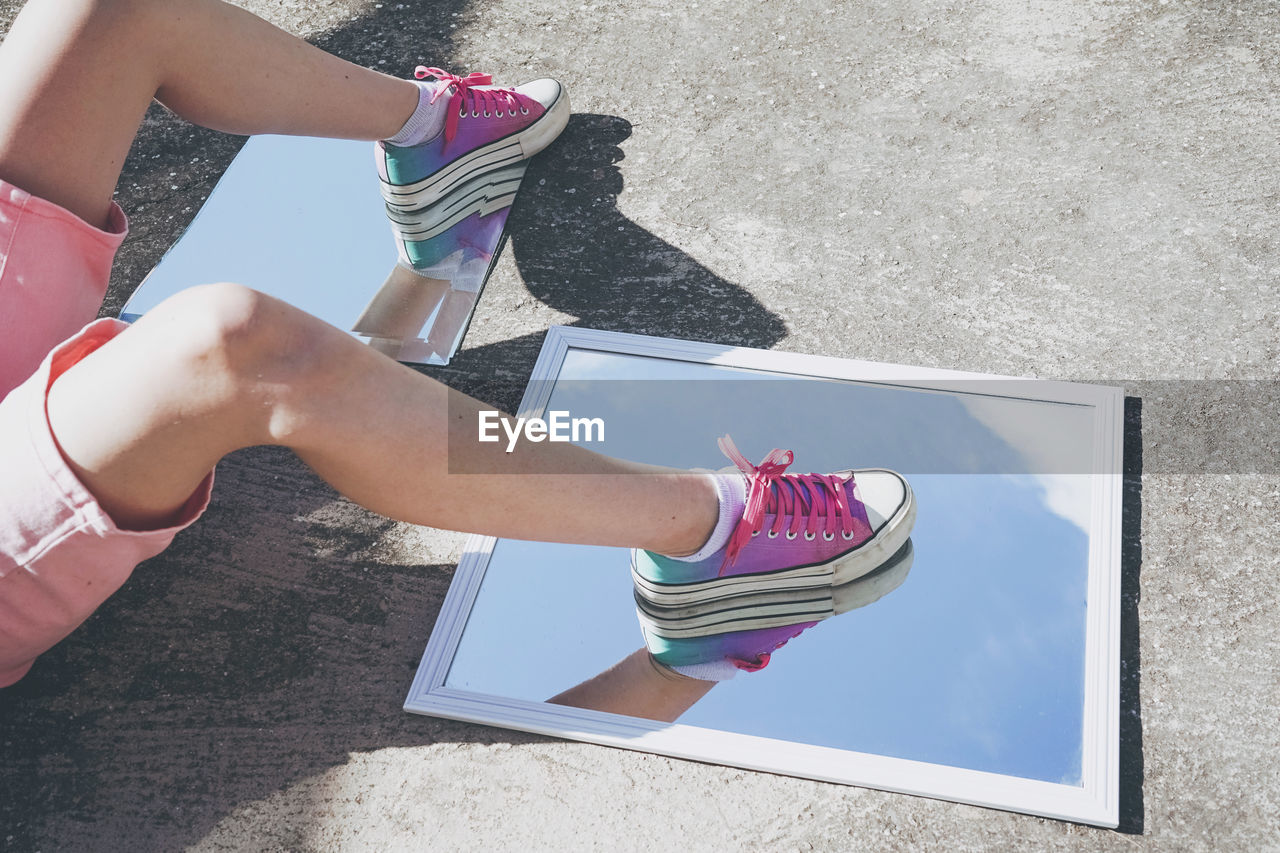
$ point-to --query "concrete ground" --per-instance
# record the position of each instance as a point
(1073, 189)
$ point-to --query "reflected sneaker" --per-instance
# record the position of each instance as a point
(427, 238)
(474, 164)
(746, 630)
(775, 608)
(798, 531)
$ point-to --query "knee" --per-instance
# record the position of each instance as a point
(243, 338)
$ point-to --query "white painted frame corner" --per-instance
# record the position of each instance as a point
(1095, 801)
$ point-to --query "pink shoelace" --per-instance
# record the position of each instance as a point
(486, 102)
(815, 503)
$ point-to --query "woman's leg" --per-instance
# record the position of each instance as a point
(143, 419)
(78, 76)
(220, 367)
(637, 686)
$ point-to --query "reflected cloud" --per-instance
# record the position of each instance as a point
(1070, 496)
(1049, 437)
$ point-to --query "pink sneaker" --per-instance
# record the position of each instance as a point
(800, 536)
(474, 165)
(747, 629)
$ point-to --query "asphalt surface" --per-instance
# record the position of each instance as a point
(1084, 190)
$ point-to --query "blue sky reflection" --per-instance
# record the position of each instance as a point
(976, 661)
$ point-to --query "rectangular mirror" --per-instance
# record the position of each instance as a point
(301, 219)
(985, 670)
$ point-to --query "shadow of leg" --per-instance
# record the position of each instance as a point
(579, 254)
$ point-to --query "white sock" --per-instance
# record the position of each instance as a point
(716, 670)
(731, 488)
(427, 120)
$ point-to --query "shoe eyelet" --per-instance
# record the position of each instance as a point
(475, 114)
(755, 533)
(828, 537)
(809, 537)
(523, 111)
(772, 535)
(790, 536)
(486, 114)
(847, 535)
(462, 113)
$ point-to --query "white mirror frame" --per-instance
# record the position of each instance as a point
(1095, 802)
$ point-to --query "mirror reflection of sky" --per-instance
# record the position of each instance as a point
(298, 218)
(976, 661)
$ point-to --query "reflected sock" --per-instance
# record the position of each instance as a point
(716, 670)
(731, 489)
(427, 120)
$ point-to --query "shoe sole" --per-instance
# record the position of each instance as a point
(484, 195)
(775, 609)
(841, 569)
(500, 153)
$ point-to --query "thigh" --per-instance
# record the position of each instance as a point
(78, 76)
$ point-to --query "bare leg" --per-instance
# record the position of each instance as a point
(400, 308)
(221, 367)
(78, 76)
(638, 687)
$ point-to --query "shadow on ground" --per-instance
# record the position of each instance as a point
(269, 643)
(1131, 761)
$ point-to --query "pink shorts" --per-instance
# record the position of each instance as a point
(54, 268)
(61, 555)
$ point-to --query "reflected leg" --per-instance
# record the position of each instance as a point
(399, 310)
(401, 306)
(637, 686)
(221, 367)
(79, 75)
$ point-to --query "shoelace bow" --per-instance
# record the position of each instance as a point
(477, 101)
(814, 502)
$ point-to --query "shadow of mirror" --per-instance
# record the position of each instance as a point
(1132, 768)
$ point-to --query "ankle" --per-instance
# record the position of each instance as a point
(704, 500)
(427, 118)
(730, 495)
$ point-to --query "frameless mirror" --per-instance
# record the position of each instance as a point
(983, 669)
(301, 219)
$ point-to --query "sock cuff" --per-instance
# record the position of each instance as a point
(731, 490)
(427, 119)
(715, 670)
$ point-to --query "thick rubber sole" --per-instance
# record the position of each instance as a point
(775, 609)
(484, 194)
(851, 565)
(498, 154)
